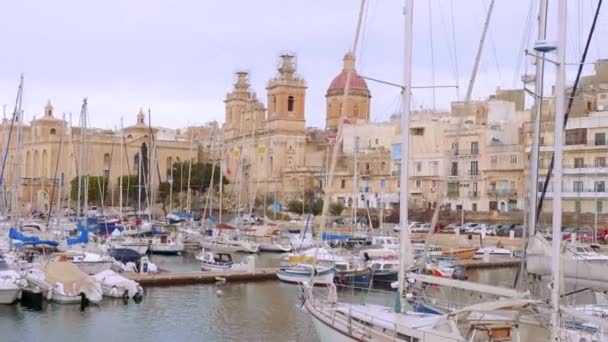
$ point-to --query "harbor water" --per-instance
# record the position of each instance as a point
(257, 311)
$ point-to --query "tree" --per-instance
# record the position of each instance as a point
(97, 188)
(336, 208)
(129, 189)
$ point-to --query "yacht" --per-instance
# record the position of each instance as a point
(64, 283)
(229, 245)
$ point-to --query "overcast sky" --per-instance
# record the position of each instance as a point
(178, 57)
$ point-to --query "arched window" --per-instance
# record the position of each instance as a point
(290, 103)
(356, 111)
(36, 164)
(136, 161)
(53, 131)
(169, 168)
(274, 104)
(28, 163)
(106, 162)
(45, 165)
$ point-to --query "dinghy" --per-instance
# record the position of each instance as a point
(116, 286)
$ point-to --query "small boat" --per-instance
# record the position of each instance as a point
(492, 251)
(116, 286)
(141, 246)
(464, 253)
(276, 244)
(11, 283)
(384, 272)
(166, 243)
(87, 262)
(352, 273)
(64, 283)
(211, 261)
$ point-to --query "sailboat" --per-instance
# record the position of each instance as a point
(11, 283)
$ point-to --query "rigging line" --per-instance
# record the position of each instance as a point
(432, 52)
(448, 45)
(363, 36)
(524, 42)
(569, 108)
(494, 53)
(455, 50)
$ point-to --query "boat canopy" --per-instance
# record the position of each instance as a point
(49, 243)
(17, 235)
(83, 238)
(328, 236)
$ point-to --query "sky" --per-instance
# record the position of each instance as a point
(178, 58)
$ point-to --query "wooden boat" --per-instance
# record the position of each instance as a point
(461, 253)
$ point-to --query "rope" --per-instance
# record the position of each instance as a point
(525, 39)
(455, 50)
(569, 108)
(432, 52)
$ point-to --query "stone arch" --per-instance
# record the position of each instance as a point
(45, 162)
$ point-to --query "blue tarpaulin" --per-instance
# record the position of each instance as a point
(36, 243)
(16, 235)
(328, 236)
(83, 238)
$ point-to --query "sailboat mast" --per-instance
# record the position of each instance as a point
(407, 258)
(222, 166)
(120, 176)
(15, 212)
(538, 102)
(189, 173)
(560, 88)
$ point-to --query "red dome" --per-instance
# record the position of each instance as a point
(356, 82)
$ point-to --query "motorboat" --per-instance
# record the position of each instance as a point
(139, 245)
(116, 286)
(11, 283)
(64, 283)
(87, 262)
(275, 243)
(229, 245)
(213, 261)
(352, 272)
(384, 271)
(306, 272)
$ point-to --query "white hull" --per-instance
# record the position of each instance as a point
(230, 246)
(233, 267)
(324, 279)
(142, 249)
(328, 334)
(219, 247)
(174, 248)
(93, 267)
(275, 247)
(116, 286)
(9, 296)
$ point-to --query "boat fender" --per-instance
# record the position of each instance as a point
(138, 297)
(125, 297)
(84, 301)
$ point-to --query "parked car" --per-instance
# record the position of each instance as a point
(451, 228)
(420, 228)
(504, 229)
(469, 227)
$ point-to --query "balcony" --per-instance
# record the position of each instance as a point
(579, 193)
(583, 169)
(502, 192)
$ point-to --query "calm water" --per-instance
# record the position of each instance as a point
(263, 311)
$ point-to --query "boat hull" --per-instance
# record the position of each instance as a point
(322, 278)
(461, 253)
(275, 247)
(93, 267)
(173, 249)
(142, 249)
(9, 296)
(359, 279)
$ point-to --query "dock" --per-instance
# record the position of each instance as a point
(200, 277)
(492, 263)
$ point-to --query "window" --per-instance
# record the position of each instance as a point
(474, 147)
(474, 170)
(577, 136)
(290, 103)
(417, 183)
(579, 162)
(356, 111)
(589, 106)
(599, 207)
(600, 139)
(514, 159)
(343, 184)
(418, 131)
(577, 186)
(600, 162)
(418, 167)
(383, 165)
(433, 184)
(455, 148)
(53, 131)
(475, 189)
(542, 141)
(435, 167)
(577, 207)
(600, 186)
(474, 207)
(453, 189)
(454, 170)
(376, 141)
(274, 103)
(366, 166)
(540, 186)
(493, 162)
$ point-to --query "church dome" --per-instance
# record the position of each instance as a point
(339, 82)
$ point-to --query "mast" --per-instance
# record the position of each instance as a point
(189, 173)
(17, 163)
(558, 132)
(479, 50)
(407, 258)
(120, 176)
(222, 163)
(356, 183)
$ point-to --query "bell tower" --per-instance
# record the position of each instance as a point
(244, 112)
(286, 97)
